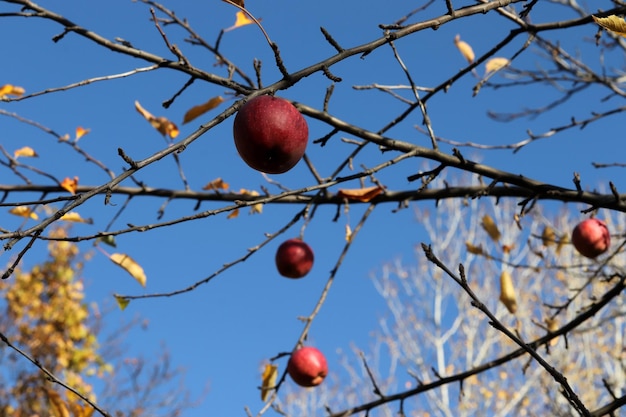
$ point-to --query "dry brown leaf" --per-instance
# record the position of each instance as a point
(495, 64)
(360, 194)
(132, 267)
(476, 250)
(162, 124)
(200, 109)
(217, 184)
(465, 49)
(11, 90)
(80, 132)
(241, 19)
(70, 184)
(613, 23)
(270, 373)
(490, 227)
(25, 151)
(24, 211)
(507, 292)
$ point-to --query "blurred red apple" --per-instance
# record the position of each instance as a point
(294, 258)
(307, 366)
(270, 134)
(591, 237)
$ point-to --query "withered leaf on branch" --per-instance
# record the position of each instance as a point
(465, 49)
(24, 211)
(241, 19)
(80, 132)
(162, 124)
(268, 380)
(25, 151)
(132, 267)
(11, 90)
(70, 184)
(490, 227)
(200, 109)
(360, 194)
(217, 184)
(507, 292)
(495, 64)
(613, 23)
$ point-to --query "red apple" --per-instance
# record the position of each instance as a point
(591, 237)
(294, 258)
(270, 134)
(307, 367)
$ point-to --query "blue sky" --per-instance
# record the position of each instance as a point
(222, 332)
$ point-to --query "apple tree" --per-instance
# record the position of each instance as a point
(476, 114)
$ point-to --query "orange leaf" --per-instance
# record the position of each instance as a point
(26, 151)
(216, 184)
(80, 132)
(162, 124)
(361, 194)
(242, 19)
(11, 90)
(132, 267)
(268, 380)
(233, 214)
(70, 184)
(24, 211)
(464, 48)
(202, 108)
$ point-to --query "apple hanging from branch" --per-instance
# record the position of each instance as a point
(270, 134)
(294, 258)
(307, 366)
(591, 237)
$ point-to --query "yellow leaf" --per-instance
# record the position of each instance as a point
(348, 233)
(80, 132)
(257, 208)
(548, 237)
(132, 267)
(216, 184)
(57, 405)
(72, 216)
(11, 90)
(26, 151)
(464, 48)
(200, 109)
(361, 194)
(24, 211)
(233, 214)
(613, 23)
(162, 124)
(108, 239)
(507, 292)
(495, 64)
(490, 227)
(476, 250)
(122, 302)
(268, 380)
(70, 184)
(242, 19)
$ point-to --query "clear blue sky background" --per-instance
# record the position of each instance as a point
(222, 332)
